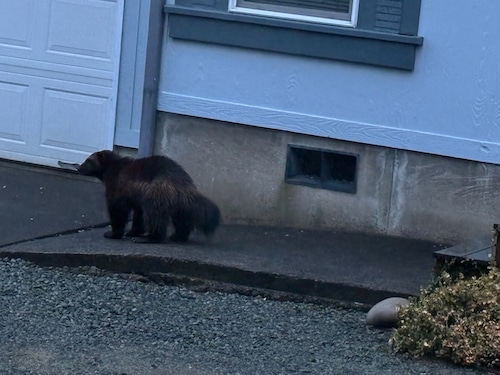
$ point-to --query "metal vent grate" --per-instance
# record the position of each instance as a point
(322, 169)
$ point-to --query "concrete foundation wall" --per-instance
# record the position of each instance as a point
(402, 193)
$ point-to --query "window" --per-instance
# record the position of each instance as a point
(335, 12)
(375, 32)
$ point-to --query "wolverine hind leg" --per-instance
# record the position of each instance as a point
(183, 225)
(155, 219)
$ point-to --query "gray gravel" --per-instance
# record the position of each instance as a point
(61, 322)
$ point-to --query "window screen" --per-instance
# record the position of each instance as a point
(309, 10)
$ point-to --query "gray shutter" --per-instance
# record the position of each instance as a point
(389, 16)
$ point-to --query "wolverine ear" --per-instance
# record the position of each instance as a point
(104, 158)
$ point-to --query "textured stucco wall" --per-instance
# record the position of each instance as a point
(399, 192)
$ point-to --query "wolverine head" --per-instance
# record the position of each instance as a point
(97, 163)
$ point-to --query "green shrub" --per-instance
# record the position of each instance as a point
(457, 319)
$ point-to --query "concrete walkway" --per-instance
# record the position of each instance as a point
(58, 218)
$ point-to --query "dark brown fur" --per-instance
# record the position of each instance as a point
(156, 189)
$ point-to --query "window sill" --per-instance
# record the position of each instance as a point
(292, 37)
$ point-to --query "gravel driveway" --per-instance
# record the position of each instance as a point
(61, 322)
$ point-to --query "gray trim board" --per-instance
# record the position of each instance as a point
(130, 83)
(336, 43)
(295, 25)
(410, 17)
(139, 75)
(366, 15)
(152, 58)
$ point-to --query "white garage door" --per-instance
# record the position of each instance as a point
(59, 63)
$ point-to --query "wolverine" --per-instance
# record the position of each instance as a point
(156, 189)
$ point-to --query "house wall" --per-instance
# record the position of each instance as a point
(449, 105)
(399, 192)
(428, 139)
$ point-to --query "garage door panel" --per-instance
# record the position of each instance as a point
(17, 24)
(72, 121)
(59, 62)
(14, 103)
(56, 72)
(83, 33)
(70, 24)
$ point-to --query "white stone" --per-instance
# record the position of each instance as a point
(384, 314)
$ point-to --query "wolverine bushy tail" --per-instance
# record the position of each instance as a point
(206, 215)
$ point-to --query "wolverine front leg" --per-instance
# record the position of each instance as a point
(137, 229)
(118, 215)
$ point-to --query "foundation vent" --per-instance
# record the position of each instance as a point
(323, 169)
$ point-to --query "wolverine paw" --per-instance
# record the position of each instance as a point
(113, 235)
(178, 238)
(133, 233)
(136, 239)
(146, 239)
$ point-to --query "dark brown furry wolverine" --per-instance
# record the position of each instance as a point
(155, 188)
